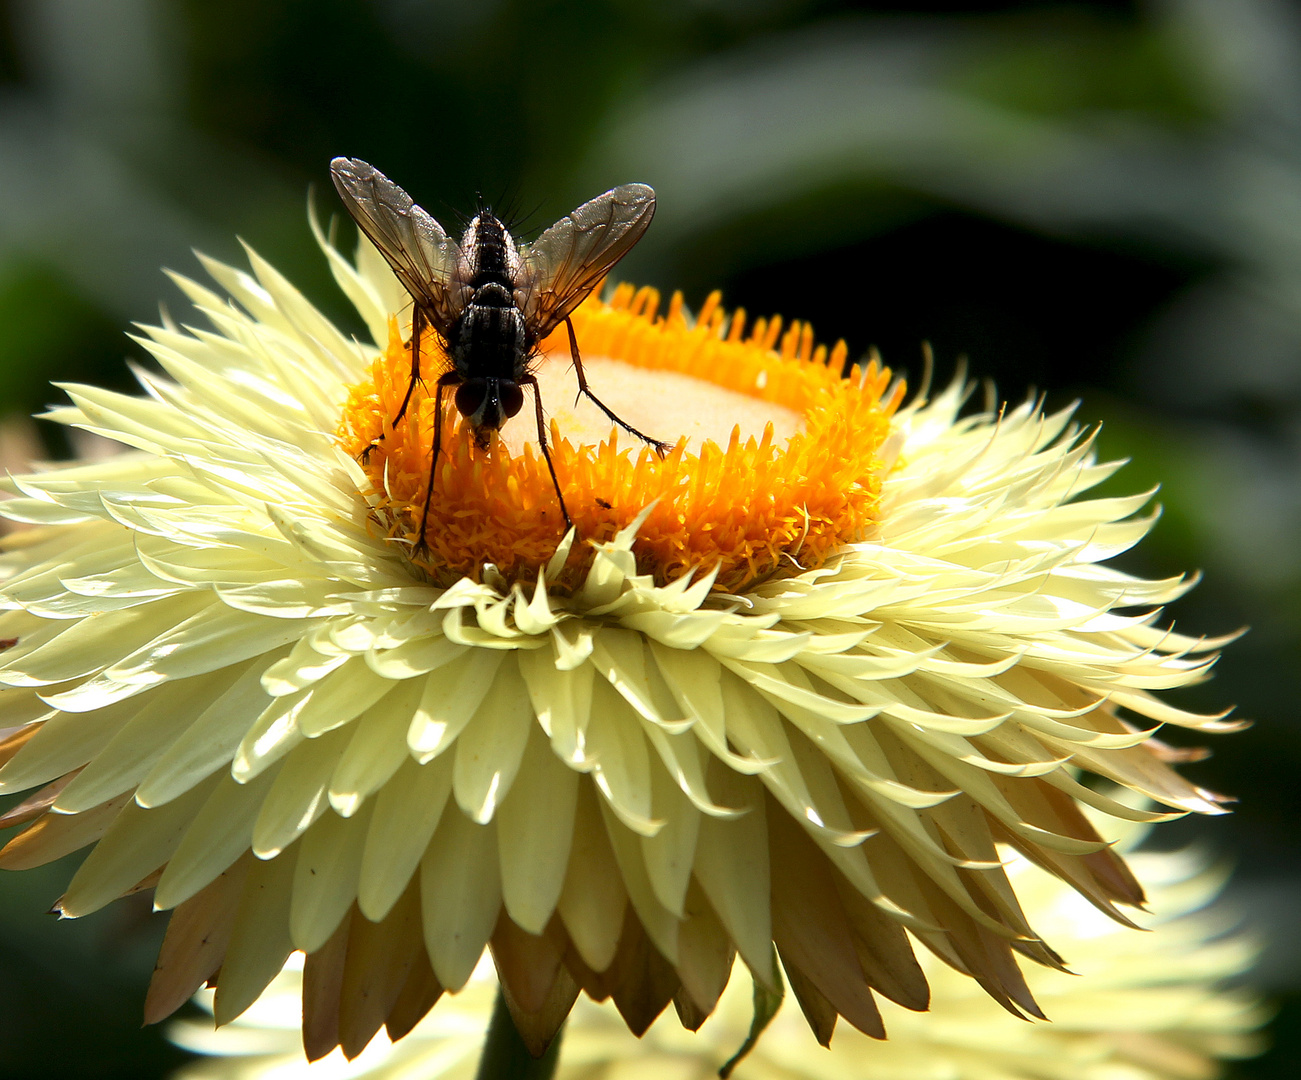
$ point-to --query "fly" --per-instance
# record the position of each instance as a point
(492, 301)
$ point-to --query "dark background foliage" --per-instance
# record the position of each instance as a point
(1100, 201)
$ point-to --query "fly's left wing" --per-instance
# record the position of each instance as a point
(425, 259)
(565, 263)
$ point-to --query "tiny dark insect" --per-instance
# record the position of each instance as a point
(493, 301)
(603, 504)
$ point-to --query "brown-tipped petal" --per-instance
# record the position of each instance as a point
(527, 963)
(988, 958)
(1040, 953)
(322, 986)
(1175, 755)
(966, 831)
(1078, 872)
(883, 951)
(912, 892)
(810, 926)
(380, 957)
(419, 994)
(53, 836)
(145, 883)
(1114, 873)
(818, 1011)
(643, 981)
(689, 1013)
(195, 942)
(705, 953)
(1108, 868)
(538, 1028)
(595, 984)
(36, 804)
(1155, 1013)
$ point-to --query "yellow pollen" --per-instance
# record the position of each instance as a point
(774, 462)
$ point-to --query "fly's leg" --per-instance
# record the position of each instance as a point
(418, 323)
(529, 380)
(660, 448)
(444, 381)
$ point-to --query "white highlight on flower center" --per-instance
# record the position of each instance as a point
(664, 404)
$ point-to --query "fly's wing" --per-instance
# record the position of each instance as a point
(425, 259)
(565, 263)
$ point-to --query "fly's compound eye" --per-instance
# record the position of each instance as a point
(512, 398)
(470, 396)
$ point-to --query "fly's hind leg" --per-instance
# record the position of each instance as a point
(529, 380)
(660, 448)
(418, 323)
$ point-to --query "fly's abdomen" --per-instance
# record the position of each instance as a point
(493, 259)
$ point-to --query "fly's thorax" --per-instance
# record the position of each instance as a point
(491, 338)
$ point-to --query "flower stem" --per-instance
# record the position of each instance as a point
(505, 1057)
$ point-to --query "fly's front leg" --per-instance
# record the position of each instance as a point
(529, 380)
(451, 378)
(418, 324)
(660, 448)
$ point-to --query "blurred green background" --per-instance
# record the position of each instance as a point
(1101, 201)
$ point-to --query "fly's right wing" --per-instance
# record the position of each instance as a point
(567, 261)
(425, 259)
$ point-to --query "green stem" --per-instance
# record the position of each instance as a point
(505, 1057)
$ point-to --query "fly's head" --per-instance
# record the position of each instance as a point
(488, 403)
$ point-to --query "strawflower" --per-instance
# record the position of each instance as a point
(1138, 1006)
(779, 695)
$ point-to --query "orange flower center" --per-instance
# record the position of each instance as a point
(774, 461)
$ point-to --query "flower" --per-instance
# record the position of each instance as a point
(776, 691)
(1143, 1006)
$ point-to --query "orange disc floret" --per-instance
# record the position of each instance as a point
(747, 509)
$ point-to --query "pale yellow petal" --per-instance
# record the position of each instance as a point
(325, 877)
(535, 832)
(562, 700)
(132, 752)
(732, 867)
(260, 939)
(450, 702)
(137, 843)
(298, 794)
(407, 812)
(460, 892)
(222, 831)
(377, 748)
(594, 897)
(209, 742)
(489, 751)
